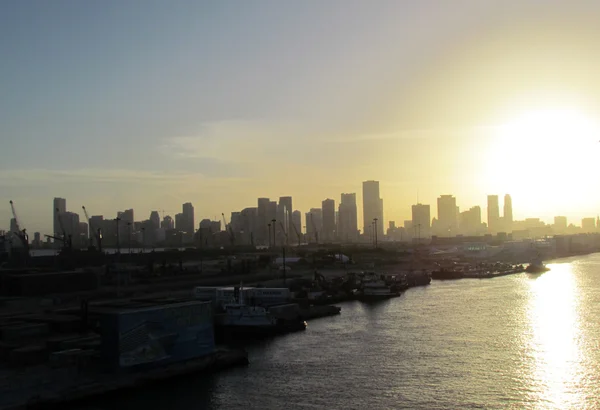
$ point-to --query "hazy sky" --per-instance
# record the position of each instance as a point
(149, 104)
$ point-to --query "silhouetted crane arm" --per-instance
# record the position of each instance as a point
(14, 212)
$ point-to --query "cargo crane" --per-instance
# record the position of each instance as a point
(229, 231)
(21, 233)
(297, 234)
(96, 233)
(312, 221)
(287, 241)
(66, 240)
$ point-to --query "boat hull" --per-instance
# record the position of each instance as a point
(376, 297)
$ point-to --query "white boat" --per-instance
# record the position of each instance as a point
(375, 288)
(243, 319)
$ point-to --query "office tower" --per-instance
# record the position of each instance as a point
(314, 224)
(508, 213)
(285, 209)
(470, 221)
(188, 218)
(348, 219)
(372, 207)
(588, 225)
(70, 221)
(84, 233)
(167, 223)
(59, 208)
(180, 222)
(560, 224)
(421, 221)
(328, 207)
(493, 213)
(297, 222)
(447, 223)
(235, 222)
(262, 233)
(154, 220)
(249, 217)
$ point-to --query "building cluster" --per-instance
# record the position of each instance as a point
(276, 223)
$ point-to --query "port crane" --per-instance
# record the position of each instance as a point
(229, 230)
(21, 233)
(297, 234)
(287, 241)
(66, 240)
(95, 232)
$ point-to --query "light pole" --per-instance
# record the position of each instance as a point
(269, 228)
(129, 233)
(274, 237)
(117, 219)
(375, 223)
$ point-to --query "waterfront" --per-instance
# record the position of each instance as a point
(521, 341)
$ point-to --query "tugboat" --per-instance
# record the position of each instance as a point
(376, 288)
(537, 266)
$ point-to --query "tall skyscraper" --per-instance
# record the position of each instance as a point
(447, 221)
(188, 218)
(167, 223)
(493, 213)
(588, 225)
(314, 225)
(560, 224)
(296, 222)
(372, 207)
(285, 213)
(328, 206)
(249, 217)
(421, 221)
(348, 219)
(262, 219)
(59, 207)
(470, 221)
(508, 213)
(155, 219)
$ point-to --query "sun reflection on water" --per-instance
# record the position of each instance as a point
(555, 328)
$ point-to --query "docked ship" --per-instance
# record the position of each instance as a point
(377, 288)
(240, 319)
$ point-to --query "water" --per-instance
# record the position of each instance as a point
(518, 341)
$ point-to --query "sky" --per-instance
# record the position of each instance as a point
(149, 104)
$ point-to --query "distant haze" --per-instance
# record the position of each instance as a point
(149, 104)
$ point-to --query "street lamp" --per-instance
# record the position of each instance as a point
(269, 228)
(375, 223)
(273, 226)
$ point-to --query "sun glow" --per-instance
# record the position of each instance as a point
(545, 155)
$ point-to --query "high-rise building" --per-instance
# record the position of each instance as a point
(188, 218)
(348, 219)
(296, 222)
(70, 222)
(59, 208)
(421, 221)
(560, 224)
(470, 221)
(372, 206)
(508, 213)
(155, 220)
(167, 223)
(588, 225)
(328, 207)
(285, 213)
(314, 225)
(447, 222)
(249, 218)
(262, 232)
(180, 224)
(493, 213)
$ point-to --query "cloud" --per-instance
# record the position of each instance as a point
(19, 178)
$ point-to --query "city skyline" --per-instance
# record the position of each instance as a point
(446, 218)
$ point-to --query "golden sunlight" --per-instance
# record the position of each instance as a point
(541, 153)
